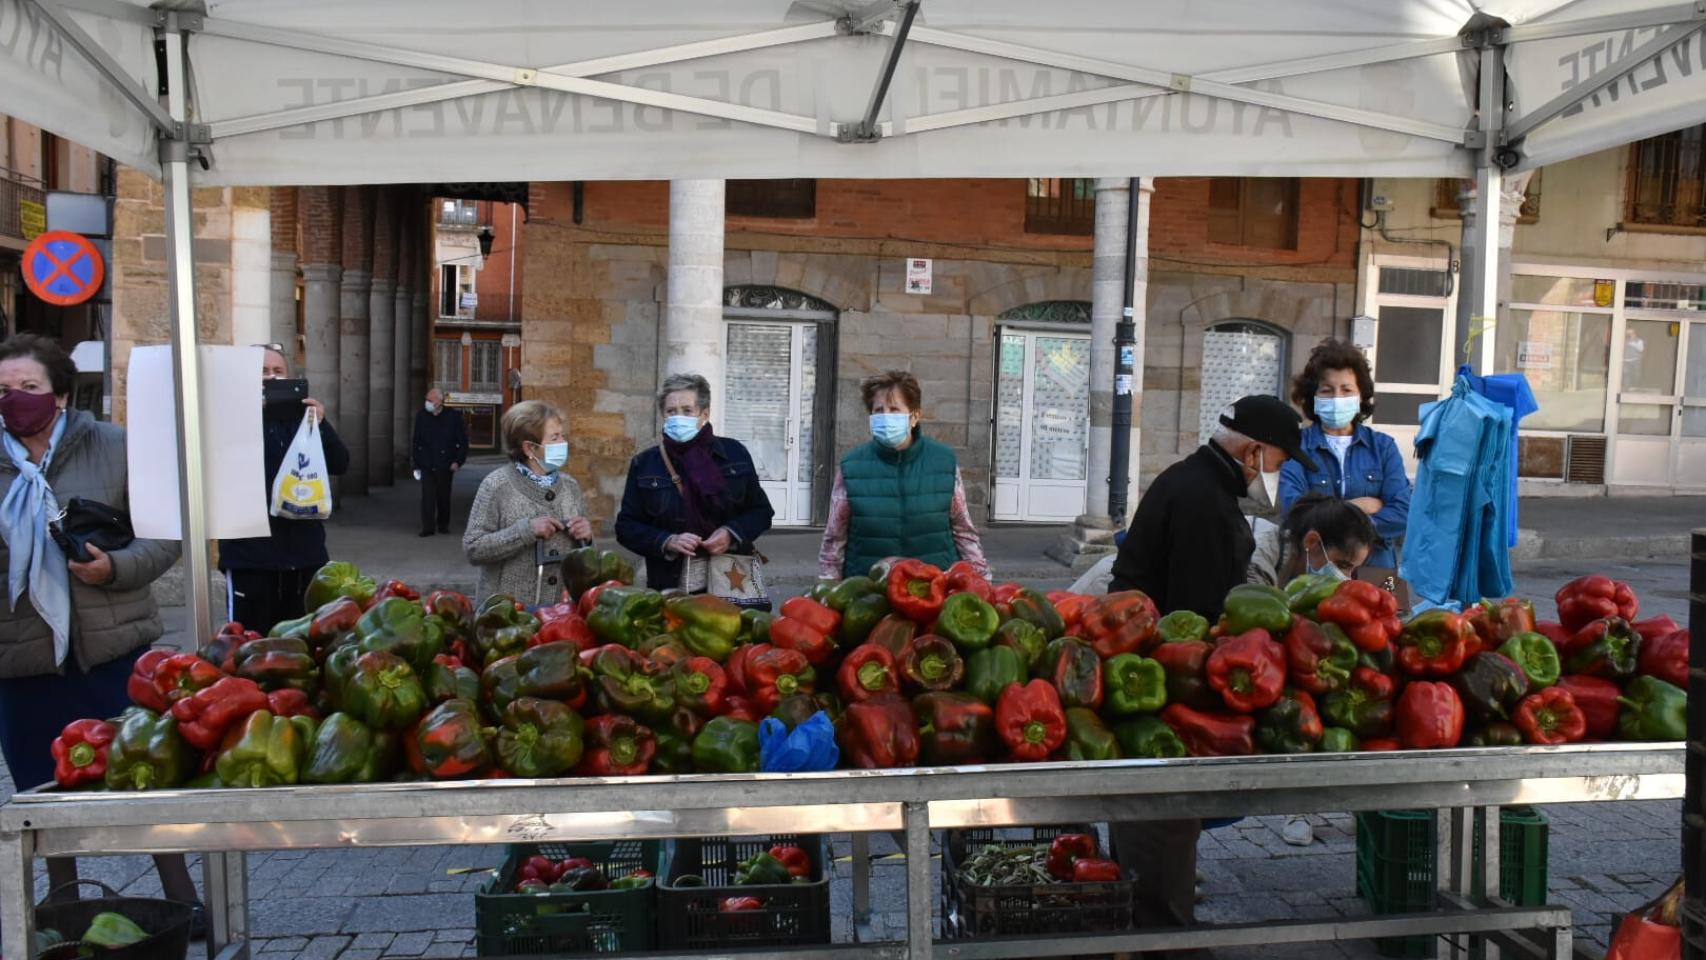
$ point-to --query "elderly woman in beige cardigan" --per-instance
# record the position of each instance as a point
(529, 501)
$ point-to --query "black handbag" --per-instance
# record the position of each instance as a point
(82, 522)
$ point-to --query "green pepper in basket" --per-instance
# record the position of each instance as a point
(266, 751)
(1133, 684)
(338, 579)
(147, 753)
(1253, 605)
(345, 750)
(969, 621)
(384, 693)
(1087, 737)
(761, 869)
(1149, 738)
(991, 670)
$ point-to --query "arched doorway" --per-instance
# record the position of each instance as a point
(1240, 357)
(1041, 443)
(777, 402)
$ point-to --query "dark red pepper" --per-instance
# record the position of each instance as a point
(291, 702)
(917, 590)
(1029, 718)
(141, 686)
(1186, 663)
(797, 862)
(1430, 715)
(1096, 870)
(1594, 597)
(1066, 850)
(868, 672)
(1320, 656)
(879, 734)
(1248, 671)
(205, 716)
(815, 645)
(1212, 734)
(1597, 698)
(1076, 672)
(930, 663)
(773, 674)
(962, 577)
(701, 685)
(1122, 622)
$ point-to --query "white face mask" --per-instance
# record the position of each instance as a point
(1264, 487)
(1327, 568)
(431, 407)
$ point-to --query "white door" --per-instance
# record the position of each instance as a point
(1661, 403)
(1042, 425)
(1691, 441)
(770, 377)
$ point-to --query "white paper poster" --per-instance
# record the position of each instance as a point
(918, 272)
(233, 464)
(1534, 355)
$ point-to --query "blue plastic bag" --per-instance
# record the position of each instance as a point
(806, 748)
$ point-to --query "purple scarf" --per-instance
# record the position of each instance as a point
(701, 480)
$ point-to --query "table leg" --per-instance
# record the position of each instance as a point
(225, 878)
(1563, 943)
(1453, 865)
(1491, 878)
(920, 935)
(17, 893)
(861, 879)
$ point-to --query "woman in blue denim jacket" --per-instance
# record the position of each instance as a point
(1352, 461)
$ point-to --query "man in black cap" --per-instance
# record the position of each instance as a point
(1188, 545)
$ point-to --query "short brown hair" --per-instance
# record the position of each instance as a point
(1332, 354)
(61, 372)
(882, 383)
(525, 423)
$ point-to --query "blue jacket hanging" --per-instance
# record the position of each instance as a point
(1454, 541)
(1512, 390)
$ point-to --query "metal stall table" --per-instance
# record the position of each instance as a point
(1465, 785)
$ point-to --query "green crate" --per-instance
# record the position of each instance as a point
(1395, 865)
(566, 924)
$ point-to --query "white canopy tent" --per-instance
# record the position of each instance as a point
(262, 92)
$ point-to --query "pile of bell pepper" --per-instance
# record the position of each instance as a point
(910, 664)
(541, 875)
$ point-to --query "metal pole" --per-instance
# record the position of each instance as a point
(1478, 303)
(867, 129)
(1125, 352)
(186, 362)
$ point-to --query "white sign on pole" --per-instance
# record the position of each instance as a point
(1534, 355)
(918, 275)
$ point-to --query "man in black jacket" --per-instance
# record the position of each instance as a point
(267, 576)
(1189, 544)
(440, 449)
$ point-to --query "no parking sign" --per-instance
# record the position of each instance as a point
(63, 268)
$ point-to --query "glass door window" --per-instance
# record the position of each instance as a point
(1042, 425)
(1691, 439)
(770, 377)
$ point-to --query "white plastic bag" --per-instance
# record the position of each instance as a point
(303, 490)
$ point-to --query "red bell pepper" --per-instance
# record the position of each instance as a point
(1030, 720)
(1212, 734)
(701, 685)
(570, 627)
(589, 599)
(80, 753)
(1320, 658)
(868, 672)
(1496, 621)
(1551, 717)
(291, 702)
(140, 684)
(1594, 597)
(1367, 614)
(1430, 714)
(739, 904)
(1379, 744)
(893, 632)
(1555, 632)
(1096, 870)
(1666, 657)
(1607, 648)
(1598, 699)
(205, 716)
(929, 663)
(1434, 644)
(1186, 663)
(741, 708)
(537, 867)
(797, 862)
(797, 635)
(773, 674)
(1001, 597)
(1123, 622)
(182, 674)
(963, 578)
(812, 614)
(916, 590)
(1066, 850)
(395, 588)
(556, 611)
(1071, 607)
(616, 746)
(1653, 628)
(1248, 671)
(879, 734)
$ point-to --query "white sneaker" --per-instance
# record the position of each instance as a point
(1298, 832)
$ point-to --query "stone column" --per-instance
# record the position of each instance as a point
(1107, 299)
(282, 315)
(321, 212)
(420, 337)
(1472, 302)
(693, 322)
(353, 338)
(381, 329)
(403, 402)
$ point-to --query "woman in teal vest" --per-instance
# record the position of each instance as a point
(899, 495)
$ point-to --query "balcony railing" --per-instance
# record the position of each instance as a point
(16, 193)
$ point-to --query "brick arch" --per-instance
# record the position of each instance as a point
(1283, 305)
(1027, 285)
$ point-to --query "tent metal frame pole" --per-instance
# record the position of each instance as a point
(103, 62)
(186, 359)
(1659, 17)
(1482, 299)
(866, 131)
(1523, 125)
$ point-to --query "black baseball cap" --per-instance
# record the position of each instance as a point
(1269, 420)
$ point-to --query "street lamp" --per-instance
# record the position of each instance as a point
(486, 240)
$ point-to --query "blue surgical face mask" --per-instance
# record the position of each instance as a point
(681, 429)
(1327, 568)
(891, 429)
(1337, 412)
(556, 454)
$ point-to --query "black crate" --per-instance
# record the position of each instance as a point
(690, 917)
(564, 924)
(977, 910)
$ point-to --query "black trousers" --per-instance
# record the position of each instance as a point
(261, 598)
(435, 500)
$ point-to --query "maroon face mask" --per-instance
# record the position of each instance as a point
(27, 414)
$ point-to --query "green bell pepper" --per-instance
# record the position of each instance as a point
(992, 670)
(278, 663)
(1490, 686)
(1291, 725)
(1253, 605)
(861, 617)
(345, 750)
(540, 738)
(710, 626)
(395, 625)
(553, 671)
(969, 621)
(755, 625)
(587, 567)
(384, 692)
(1338, 740)
(147, 753)
(1306, 592)
(626, 615)
(340, 666)
(502, 629)
(1133, 684)
(1537, 657)
(1182, 626)
(627, 683)
(840, 596)
(113, 930)
(500, 684)
(726, 745)
(267, 751)
(1652, 710)
(338, 579)
(1028, 641)
(761, 869)
(1148, 738)
(674, 754)
(448, 679)
(1088, 738)
(1033, 607)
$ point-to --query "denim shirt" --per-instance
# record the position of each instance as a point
(1373, 468)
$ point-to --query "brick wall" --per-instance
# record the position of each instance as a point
(322, 214)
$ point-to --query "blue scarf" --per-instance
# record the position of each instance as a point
(35, 561)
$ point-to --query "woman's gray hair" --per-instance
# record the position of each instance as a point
(677, 382)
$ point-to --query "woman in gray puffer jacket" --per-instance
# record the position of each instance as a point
(69, 632)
